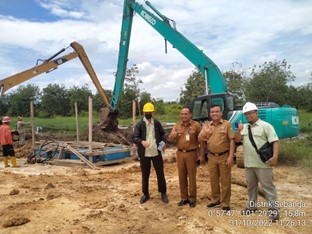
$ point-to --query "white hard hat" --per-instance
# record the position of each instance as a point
(249, 106)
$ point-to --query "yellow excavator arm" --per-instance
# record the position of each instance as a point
(49, 65)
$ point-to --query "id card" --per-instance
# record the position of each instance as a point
(187, 137)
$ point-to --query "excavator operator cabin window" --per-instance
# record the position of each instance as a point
(204, 110)
(197, 109)
(219, 102)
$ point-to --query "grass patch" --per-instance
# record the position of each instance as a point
(305, 121)
(296, 152)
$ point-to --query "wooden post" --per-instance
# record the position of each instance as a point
(90, 129)
(32, 124)
(133, 114)
(77, 124)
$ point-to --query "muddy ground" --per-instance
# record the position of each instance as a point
(41, 198)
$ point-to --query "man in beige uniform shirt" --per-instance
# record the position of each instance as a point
(221, 145)
(185, 133)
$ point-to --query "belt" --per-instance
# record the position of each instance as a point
(184, 151)
(219, 154)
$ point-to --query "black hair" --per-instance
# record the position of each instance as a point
(187, 107)
(215, 105)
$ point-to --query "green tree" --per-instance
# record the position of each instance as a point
(194, 86)
(97, 100)
(305, 97)
(4, 105)
(294, 98)
(144, 98)
(20, 99)
(269, 82)
(55, 100)
(125, 102)
(79, 95)
(159, 106)
(236, 82)
(132, 82)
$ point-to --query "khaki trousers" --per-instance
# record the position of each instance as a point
(219, 173)
(187, 169)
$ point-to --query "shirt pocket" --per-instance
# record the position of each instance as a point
(222, 133)
(180, 132)
(257, 133)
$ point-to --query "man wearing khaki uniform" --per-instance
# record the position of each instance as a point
(185, 134)
(220, 142)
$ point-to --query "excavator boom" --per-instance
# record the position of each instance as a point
(21, 77)
(216, 87)
(214, 80)
(49, 65)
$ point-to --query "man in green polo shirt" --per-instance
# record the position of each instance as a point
(256, 170)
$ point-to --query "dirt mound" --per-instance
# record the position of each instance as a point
(120, 136)
(55, 199)
(99, 134)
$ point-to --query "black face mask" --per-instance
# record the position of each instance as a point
(148, 115)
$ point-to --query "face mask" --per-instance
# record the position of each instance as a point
(148, 115)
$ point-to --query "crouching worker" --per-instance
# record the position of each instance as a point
(148, 136)
(7, 142)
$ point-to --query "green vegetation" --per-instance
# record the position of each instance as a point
(66, 125)
(297, 152)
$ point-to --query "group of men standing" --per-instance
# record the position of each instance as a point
(218, 139)
(192, 141)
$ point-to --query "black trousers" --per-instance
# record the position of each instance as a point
(8, 150)
(158, 163)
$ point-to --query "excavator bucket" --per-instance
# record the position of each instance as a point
(108, 119)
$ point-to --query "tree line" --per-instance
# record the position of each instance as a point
(266, 82)
(57, 100)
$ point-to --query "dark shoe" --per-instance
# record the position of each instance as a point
(213, 205)
(226, 208)
(164, 198)
(183, 202)
(248, 211)
(274, 215)
(192, 204)
(144, 198)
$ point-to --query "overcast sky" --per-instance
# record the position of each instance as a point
(244, 32)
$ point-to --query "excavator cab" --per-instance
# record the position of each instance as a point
(201, 105)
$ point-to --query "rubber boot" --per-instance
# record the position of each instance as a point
(6, 161)
(13, 161)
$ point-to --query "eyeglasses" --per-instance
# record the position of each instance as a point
(250, 113)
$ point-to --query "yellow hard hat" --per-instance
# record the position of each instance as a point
(148, 107)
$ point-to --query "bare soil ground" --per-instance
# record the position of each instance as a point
(39, 198)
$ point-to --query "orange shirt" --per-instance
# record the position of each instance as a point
(192, 129)
(5, 135)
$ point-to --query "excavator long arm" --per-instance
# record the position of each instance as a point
(215, 82)
(49, 65)
(21, 77)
